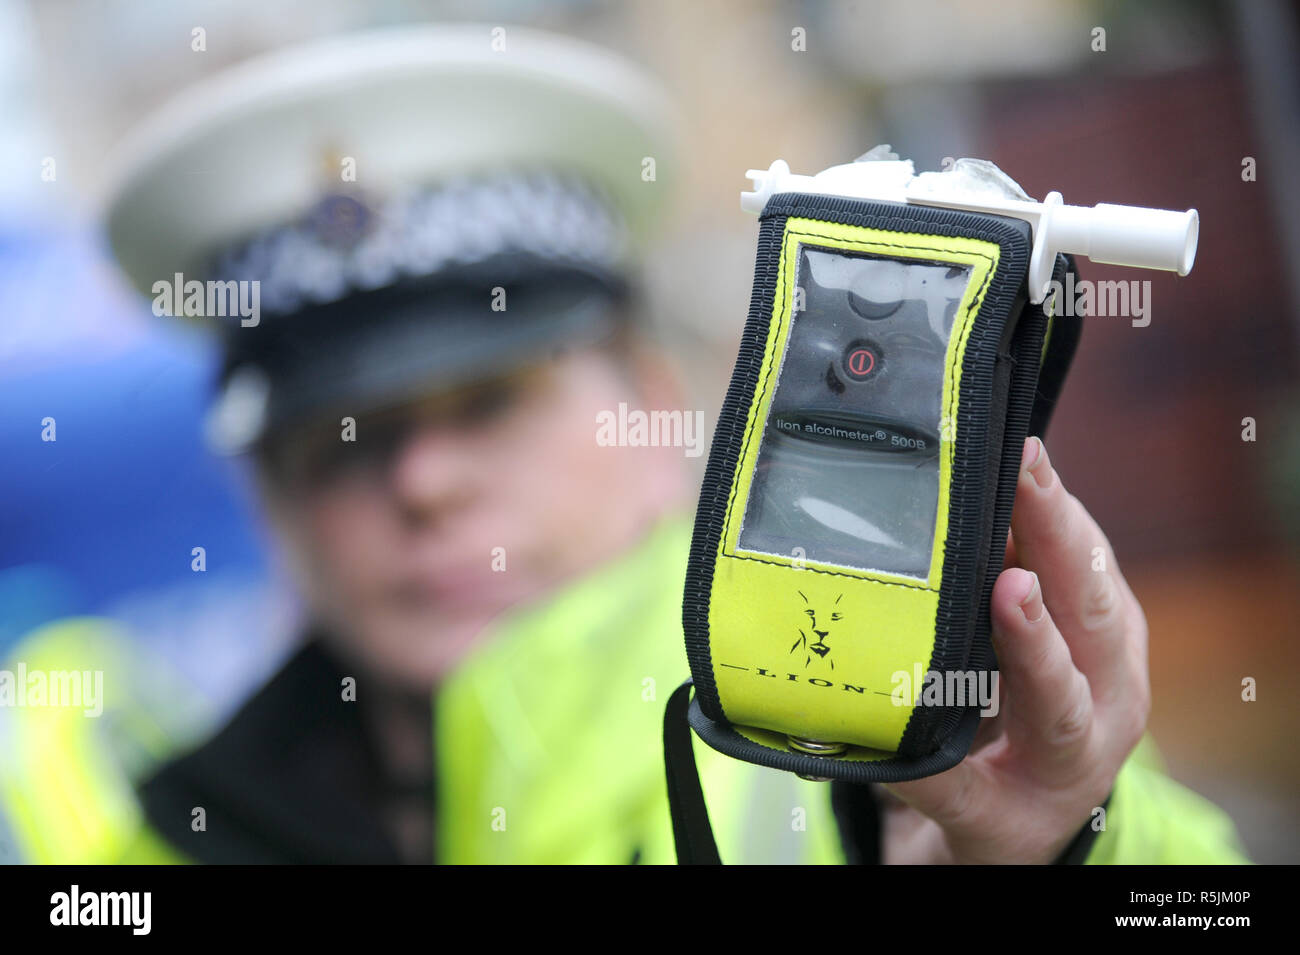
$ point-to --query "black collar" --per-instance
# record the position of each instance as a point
(292, 778)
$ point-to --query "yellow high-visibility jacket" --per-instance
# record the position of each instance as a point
(547, 742)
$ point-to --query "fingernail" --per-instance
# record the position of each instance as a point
(1035, 462)
(1031, 605)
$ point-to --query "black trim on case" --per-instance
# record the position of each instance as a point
(723, 455)
(891, 769)
(1062, 343)
(1024, 405)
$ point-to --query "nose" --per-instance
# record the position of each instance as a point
(432, 472)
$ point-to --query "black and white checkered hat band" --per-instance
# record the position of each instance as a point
(348, 244)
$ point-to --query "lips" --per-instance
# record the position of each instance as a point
(454, 587)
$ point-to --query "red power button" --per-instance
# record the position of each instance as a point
(859, 362)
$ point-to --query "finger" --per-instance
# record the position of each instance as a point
(1048, 706)
(1058, 540)
(1049, 702)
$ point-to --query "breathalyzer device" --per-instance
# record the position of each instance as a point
(901, 344)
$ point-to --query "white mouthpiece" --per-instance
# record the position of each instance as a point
(1105, 233)
(1125, 235)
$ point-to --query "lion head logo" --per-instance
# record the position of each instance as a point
(812, 635)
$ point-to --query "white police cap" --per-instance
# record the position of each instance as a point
(258, 145)
(348, 177)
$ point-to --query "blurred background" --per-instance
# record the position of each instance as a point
(1164, 104)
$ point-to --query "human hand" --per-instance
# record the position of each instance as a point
(1071, 642)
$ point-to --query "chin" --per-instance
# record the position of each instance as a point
(417, 655)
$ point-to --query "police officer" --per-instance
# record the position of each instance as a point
(417, 249)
